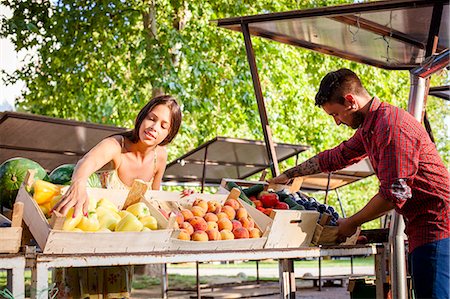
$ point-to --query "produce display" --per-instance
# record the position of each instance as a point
(266, 201)
(212, 221)
(12, 175)
(103, 215)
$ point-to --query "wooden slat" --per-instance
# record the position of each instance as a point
(138, 189)
(17, 215)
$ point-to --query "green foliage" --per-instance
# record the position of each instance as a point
(102, 61)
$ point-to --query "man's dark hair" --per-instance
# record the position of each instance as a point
(335, 85)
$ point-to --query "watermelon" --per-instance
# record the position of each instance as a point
(62, 175)
(12, 175)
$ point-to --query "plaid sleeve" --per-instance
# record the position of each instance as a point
(399, 162)
(347, 153)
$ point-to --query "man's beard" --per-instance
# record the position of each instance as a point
(358, 118)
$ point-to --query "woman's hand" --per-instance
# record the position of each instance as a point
(76, 197)
(186, 192)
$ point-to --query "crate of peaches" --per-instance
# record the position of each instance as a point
(215, 222)
(113, 224)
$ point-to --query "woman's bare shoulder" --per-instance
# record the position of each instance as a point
(161, 151)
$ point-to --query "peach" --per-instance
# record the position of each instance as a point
(198, 223)
(225, 224)
(241, 213)
(201, 203)
(214, 206)
(198, 211)
(241, 233)
(188, 227)
(199, 235)
(226, 235)
(246, 222)
(211, 217)
(212, 225)
(258, 203)
(221, 215)
(254, 233)
(236, 224)
(231, 213)
(187, 214)
(232, 203)
(178, 216)
(213, 234)
(184, 235)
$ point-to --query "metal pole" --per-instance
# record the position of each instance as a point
(328, 188)
(271, 154)
(340, 203)
(164, 282)
(205, 157)
(257, 271)
(197, 272)
(398, 261)
(320, 273)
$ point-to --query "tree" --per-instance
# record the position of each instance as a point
(101, 61)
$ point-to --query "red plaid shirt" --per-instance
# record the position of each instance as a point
(411, 172)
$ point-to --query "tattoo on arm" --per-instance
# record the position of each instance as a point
(310, 166)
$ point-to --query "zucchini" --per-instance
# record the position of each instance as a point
(293, 205)
(231, 185)
(253, 190)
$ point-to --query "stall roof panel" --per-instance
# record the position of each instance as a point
(386, 34)
(442, 92)
(340, 178)
(226, 158)
(49, 141)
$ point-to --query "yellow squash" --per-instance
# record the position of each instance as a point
(70, 223)
(139, 209)
(89, 223)
(129, 223)
(44, 191)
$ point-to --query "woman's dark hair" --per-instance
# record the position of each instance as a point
(335, 85)
(175, 122)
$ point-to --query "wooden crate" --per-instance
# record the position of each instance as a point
(327, 235)
(55, 241)
(11, 237)
(285, 228)
(291, 228)
(237, 244)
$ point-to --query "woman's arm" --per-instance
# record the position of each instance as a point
(160, 168)
(76, 196)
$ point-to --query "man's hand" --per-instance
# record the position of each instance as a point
(346, 227)
(281, 179)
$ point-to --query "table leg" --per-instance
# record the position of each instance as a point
(164, 282)
(287, 278)
(39, 281)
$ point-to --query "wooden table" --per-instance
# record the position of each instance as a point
(41, 263)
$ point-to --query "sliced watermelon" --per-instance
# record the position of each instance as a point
(12, 175)
(62, 175)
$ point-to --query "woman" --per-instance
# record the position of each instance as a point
(136, 154)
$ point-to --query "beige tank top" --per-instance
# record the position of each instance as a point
(110, 179)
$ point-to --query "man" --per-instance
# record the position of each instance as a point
(413, 178)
